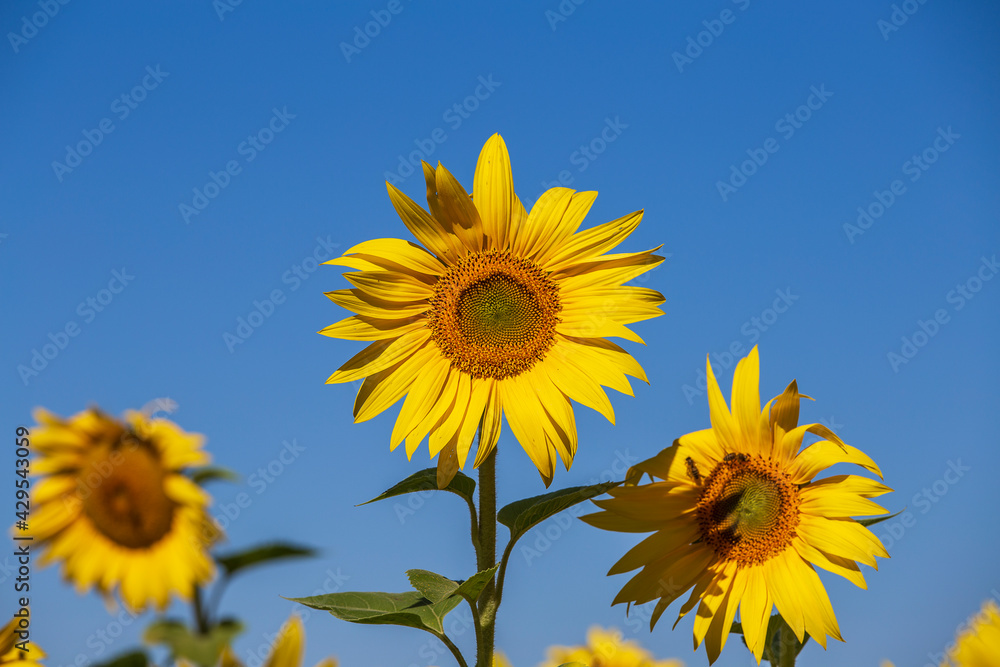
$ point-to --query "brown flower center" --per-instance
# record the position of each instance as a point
(748, 509)
(494, 315)
(122, 488)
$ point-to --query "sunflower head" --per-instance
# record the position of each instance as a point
(498, 312)
(113, 505)
(15, 651)
(287, 648)
(977, 644)
(606, 648)
(737, 514)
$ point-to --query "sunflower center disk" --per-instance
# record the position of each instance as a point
(494, 315)
(123, 495)
(748, 510)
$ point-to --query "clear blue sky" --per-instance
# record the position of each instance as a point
(337, 119)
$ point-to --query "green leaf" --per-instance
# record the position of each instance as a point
(130, 659)
(433, 586)
(521, 515)
(410, 609)
(209, 473)
(437, 588)
(200, 649)
(426, 480)
(261, 554)
(474, 585)
(879, 519)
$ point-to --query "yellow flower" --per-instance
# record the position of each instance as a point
(16, 651)
(287, 650)
(504, 312)
(115, 508)
(739, 517)
(606, 648)
(978, 645)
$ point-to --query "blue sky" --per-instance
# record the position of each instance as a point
(751, 133)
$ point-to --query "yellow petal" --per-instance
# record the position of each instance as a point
(490, 424)
(785, 410)
(755, 611)
(783, 589)
(365, 304)
(712, 600)
(421, 398)
(842, 566)
(819, 456)
(444, 435)
(480, 393)
(608, 271)
(525, 416)
(566, 226)
(543, 218)
(455, 207)
(841, 537)
(746, 399)
(575, 383)
(594, 242)
(360, 327)
(381, 390)
(379, 355)
(815, 603)
(493, 191)
(672, 535)
(725, 427)
(289, 647)
(390, 286)
(423, 226)
(447, 466)
(718, 630)
(397, 254)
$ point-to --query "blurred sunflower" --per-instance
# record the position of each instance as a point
(504, 312)
(115, 508)
(739, 517)
(978, 645)
(606, 648)
(11, 654)
(286, 651)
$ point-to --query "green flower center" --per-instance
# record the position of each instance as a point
(749, 505)
(494, 315)
(748, 509)
(499, 311)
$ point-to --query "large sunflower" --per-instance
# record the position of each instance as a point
(739, 517)
(115, 508)
(501, 312)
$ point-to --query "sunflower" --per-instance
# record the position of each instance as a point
(500, 312)
(287, 649)
(115, 508)
(978, 645)
(16, 652)
(739, 517)
(606, 648)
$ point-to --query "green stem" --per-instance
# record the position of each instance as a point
(454, 649)
(200, 619)
(215, 598)
(784, 645)
(487, 556)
